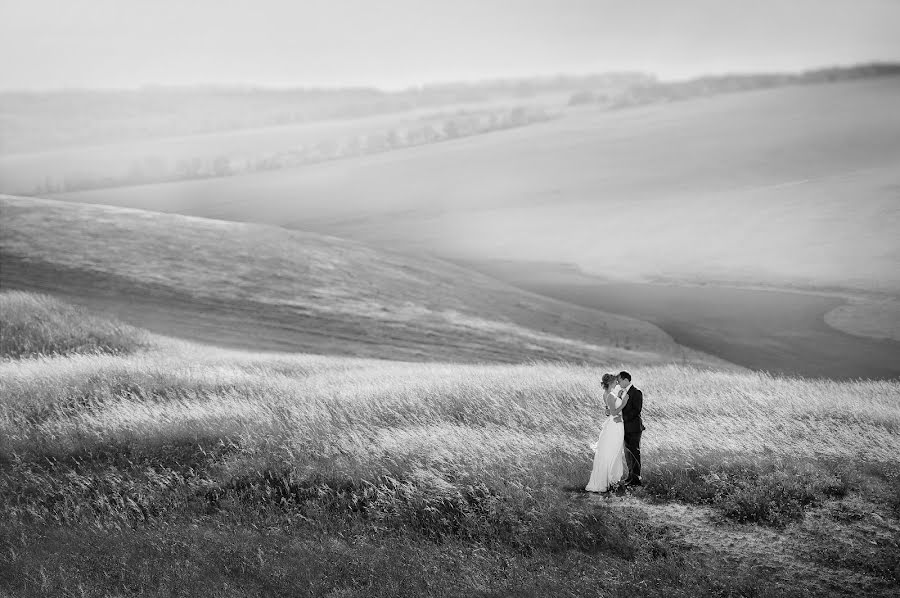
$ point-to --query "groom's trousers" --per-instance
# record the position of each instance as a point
(633, 454)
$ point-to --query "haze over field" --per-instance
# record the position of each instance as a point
(790, 187)
(781, 182)
(401, 43)
(787, 187)
(265, 288)
(316, 298)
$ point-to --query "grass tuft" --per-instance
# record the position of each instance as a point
(39, 325)
(753, 490)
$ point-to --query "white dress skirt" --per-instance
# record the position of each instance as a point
(609, 456)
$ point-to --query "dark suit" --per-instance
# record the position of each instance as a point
(631, 418)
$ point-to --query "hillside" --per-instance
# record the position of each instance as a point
(263, 287)
(45, 120)
(261, 149)
(66, 141)
(788, 187)
(169, 468)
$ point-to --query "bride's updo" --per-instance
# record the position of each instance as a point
(607, 381)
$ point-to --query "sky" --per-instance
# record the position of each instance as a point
(392, 44)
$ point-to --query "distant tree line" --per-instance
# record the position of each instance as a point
(154, 169)
(31, 121)
(653, 91)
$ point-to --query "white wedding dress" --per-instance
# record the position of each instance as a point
(609, 455)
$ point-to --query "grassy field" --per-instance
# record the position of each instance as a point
(265, 288)
(786, 187)
(162, 467)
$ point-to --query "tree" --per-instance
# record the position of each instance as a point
(451, 130)
(183, 168)
(377, 142)
(351, 147)
(430, 134)
(221, 166)
(393, 139)
(582, 97)
(518, 116)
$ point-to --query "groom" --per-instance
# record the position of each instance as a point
(634, 426)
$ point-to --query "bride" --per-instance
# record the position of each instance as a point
(609, 453)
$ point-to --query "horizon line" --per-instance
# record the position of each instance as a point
(436, 84)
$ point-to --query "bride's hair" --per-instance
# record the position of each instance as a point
(607, 380)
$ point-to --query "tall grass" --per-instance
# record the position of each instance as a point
(437, 413)
(739, 441)
(35, 324)
(440, 460)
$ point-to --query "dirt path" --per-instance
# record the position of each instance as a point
(825, 554)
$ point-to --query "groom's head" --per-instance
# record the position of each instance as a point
(624, 379)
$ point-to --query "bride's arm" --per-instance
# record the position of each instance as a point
(618, 409)
(606, 408)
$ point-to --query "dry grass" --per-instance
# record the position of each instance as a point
(259, 474)
(262, 287)
(41, 325)
(370, 408)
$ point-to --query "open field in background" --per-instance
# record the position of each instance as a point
(793, 187)
(37, 121)
(267, 288)
(879, 319)
(180, 468)
(779, 331)
(76, 139)
(244, 151)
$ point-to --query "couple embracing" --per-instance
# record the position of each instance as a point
(617, 454)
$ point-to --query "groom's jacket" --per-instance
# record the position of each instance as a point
(631, 413)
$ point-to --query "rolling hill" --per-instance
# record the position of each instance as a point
(132, 463)
(263, 287)
(788, 187)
